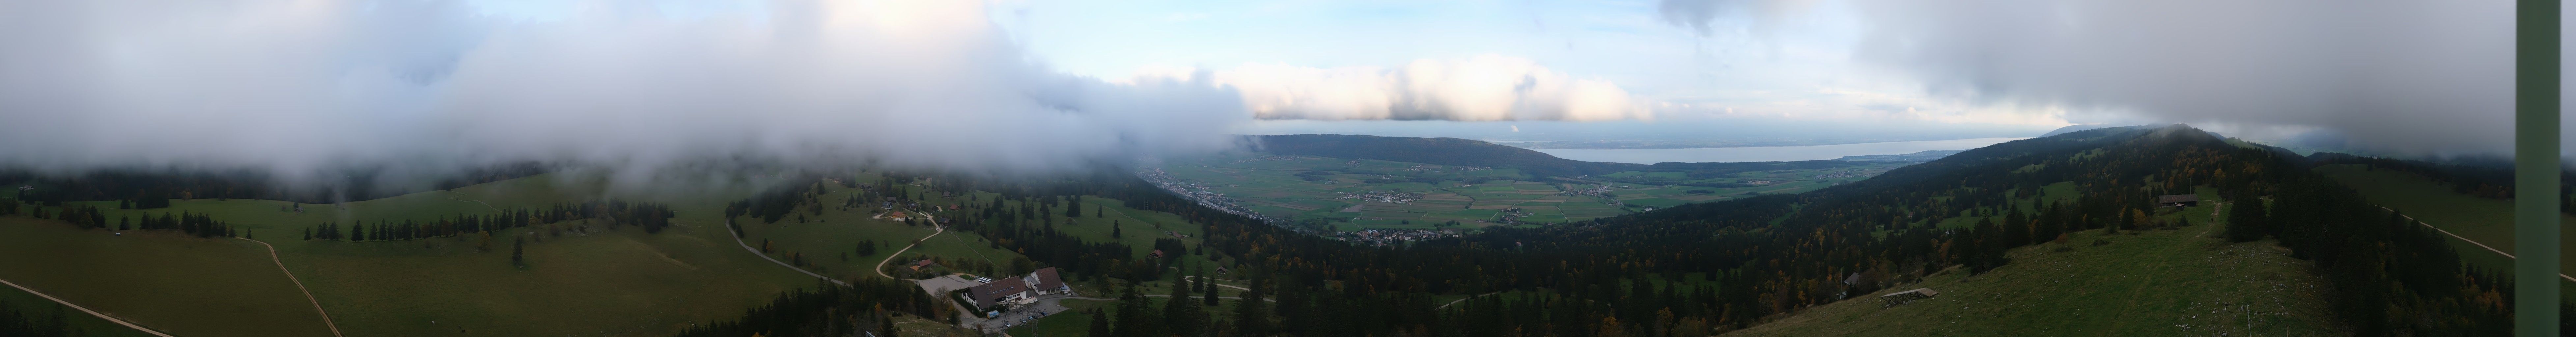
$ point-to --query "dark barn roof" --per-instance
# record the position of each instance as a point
(2167, 199)
(988, 294)
(1047, 279)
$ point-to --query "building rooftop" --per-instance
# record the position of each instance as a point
(2162, 199)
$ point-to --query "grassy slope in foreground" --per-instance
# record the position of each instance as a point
(163, 280)
(618, 281)
(2161, 282)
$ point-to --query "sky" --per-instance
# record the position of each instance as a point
(682, 88)
(1793, 68)
(2415, 77)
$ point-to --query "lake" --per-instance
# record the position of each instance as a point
(1769, 153)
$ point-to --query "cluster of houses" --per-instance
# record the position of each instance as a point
(1389, 236)
(1012, 292)
(1199, 193)
(1382, 196)
(1263, 158)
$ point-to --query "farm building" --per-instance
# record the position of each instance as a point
(1045, 282)
(924, 263)
(1007, 290)
(2178, 200)
(1902, 297)
(1018, 291)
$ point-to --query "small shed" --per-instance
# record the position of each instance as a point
(1903, 297)
(2178, 200)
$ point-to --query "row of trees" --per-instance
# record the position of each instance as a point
(652, 217)
(149, 188)
(867, 306)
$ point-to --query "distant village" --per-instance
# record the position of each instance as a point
(1198, 192)
(1391, 197)
(1383, 237)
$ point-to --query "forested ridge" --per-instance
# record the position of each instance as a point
(2491, 180)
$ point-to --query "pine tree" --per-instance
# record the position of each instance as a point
(2245, 221)
(1207, 286)
(885, 325)
(1181, 316)
(518, 253)
(1099, 324)
(1135, 318)
(1254, 315)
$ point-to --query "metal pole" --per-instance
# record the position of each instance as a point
(2536, 168)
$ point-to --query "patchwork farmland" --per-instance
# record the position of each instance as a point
(1349, 194)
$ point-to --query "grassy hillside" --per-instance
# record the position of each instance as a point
(174, 283)
(2156, 282)
(582, 277)
(2488, 221)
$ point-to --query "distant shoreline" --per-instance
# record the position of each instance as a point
(1664, 145)
(1768, 153)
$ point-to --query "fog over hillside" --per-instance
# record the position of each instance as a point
(296, 87)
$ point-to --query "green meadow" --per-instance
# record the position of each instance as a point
(220, 286)
(581, 277)
(2141, 283)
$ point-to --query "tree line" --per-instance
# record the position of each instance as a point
(652, 217)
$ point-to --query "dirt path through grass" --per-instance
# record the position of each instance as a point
(2149, 281)
(737, 240)
(299, 286)
(82, 309)
(2463, 239)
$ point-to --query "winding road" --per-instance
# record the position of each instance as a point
(935, 229)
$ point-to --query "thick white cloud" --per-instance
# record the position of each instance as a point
(1481, 88)
(297, 86)
(2412, 75)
